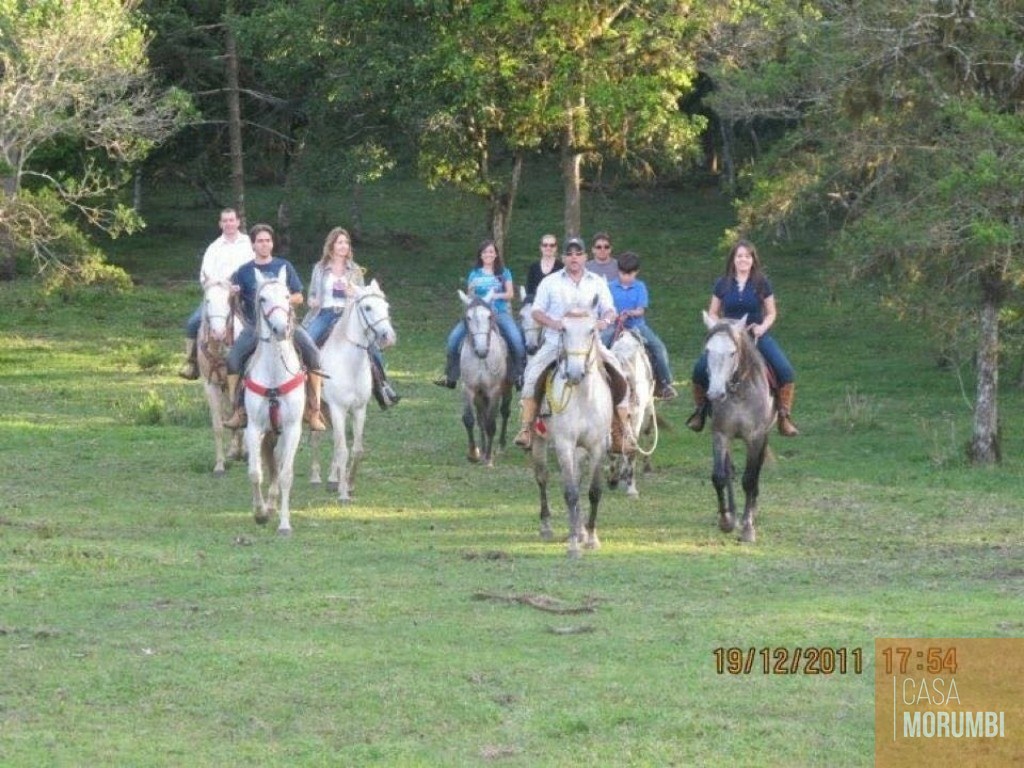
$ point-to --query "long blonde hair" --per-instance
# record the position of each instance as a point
(329, 241)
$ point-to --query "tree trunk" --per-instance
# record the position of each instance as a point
(571, 162)
(501, 206)
(234, 121)
(728, 166)
(985, 440)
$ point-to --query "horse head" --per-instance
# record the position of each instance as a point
(273, 303)
(373, 312)
(479, 321)
(579, 343)
(726, 346)
(217, 309)
(532, 330)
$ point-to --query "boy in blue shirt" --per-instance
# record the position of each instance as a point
(630, 296)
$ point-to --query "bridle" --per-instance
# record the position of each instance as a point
(491, 323)
(289, 312)
(368, 324)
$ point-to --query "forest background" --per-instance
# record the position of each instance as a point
(893, 127)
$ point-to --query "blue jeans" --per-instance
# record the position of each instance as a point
(655, 347)
(245, 345)
(321, 325)
(772, 353)
(509, 330)
(193, 323)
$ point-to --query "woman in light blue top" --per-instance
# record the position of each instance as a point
(489, 276)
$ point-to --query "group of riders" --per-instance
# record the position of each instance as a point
(554, 287)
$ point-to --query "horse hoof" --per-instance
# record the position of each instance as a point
(748, 536)
(261, 517)
(633, 493)
(284, 531)
(473, 457)
(546, 534)
(574, 554)
(332, 487)
(218, 472)
(726, 524)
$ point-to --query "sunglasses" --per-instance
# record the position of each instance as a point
(602, 247)
(549, 245)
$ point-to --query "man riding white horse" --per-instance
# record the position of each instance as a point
(245, 281)
(571, 287)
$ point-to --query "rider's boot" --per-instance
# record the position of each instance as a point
(525, 437)
(700, 402)
(383, 392)
(238, 419)
(190, 369)
(786, 426)
(313, 416)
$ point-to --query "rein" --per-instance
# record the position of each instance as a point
(368, 326)
(273, 394)
(567, 389)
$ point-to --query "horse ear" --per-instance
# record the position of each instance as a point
(375, 286)
(522, 293)
(489, 297)
(465, 299)
(260, 279)
(282, 275)
(708, 322)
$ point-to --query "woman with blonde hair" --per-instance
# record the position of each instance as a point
(334, 277)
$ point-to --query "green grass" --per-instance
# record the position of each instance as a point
(146, 620)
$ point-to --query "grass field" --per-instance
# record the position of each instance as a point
(146, 620)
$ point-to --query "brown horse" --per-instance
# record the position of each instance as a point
(742, 407)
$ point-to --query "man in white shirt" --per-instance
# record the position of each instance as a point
(570, 287)
(222, 257)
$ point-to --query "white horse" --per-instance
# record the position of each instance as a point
(274, 400)
(345, 359)
(629, 349)
(580, 403)
(532, 330)
(216, 335)
(486, 389)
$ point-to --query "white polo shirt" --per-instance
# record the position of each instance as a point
(558, 293)
(222, 258)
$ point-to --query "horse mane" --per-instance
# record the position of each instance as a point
(751, 363)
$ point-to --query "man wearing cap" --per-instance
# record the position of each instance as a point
(570, 287)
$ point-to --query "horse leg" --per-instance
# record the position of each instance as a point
(469, 422)
(253, 438)
(751, 486)
(721, 478)
(314, 458)
(505, 409)
(356, 454)
(629, 475)
(338, 417)
(571, 493)
(216, 419)
(339, 459)
(287, 446)
(539, 454)
(273, 479)
(490, 424)
(591, 541)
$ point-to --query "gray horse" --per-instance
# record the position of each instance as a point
(741, 407)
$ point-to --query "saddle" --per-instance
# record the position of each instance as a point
(616, 382)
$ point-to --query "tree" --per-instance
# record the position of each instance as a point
(910, 137)
(594, 80)
(77, 112)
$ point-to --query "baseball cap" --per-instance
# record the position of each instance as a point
(574, 243)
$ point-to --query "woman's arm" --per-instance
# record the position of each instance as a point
(769, 318)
